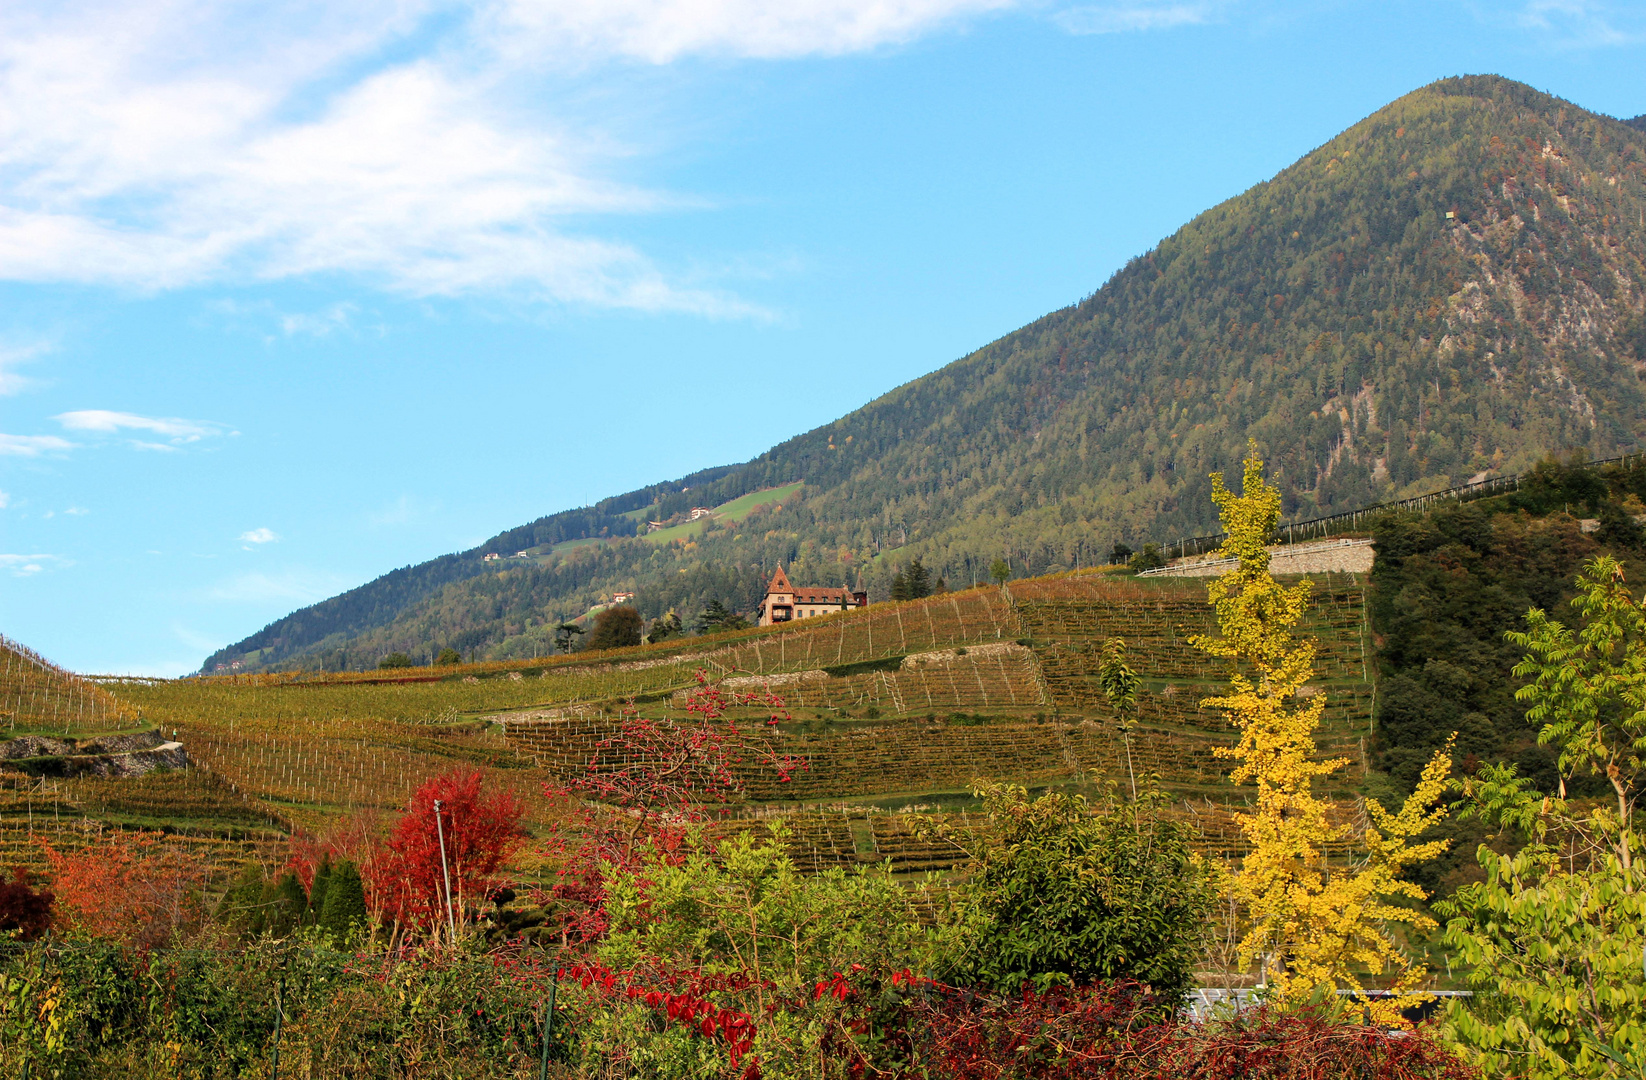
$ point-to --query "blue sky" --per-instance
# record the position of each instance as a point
(291, 295)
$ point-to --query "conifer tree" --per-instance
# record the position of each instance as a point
(345, 906)
(1314, 926)
(920, 580)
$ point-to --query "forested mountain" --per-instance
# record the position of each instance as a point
(1450, 288)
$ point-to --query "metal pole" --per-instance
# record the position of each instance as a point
(445, 872)
(548, 1027)
(274, 1052)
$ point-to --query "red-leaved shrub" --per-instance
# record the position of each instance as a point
(1122, 1031)
(24, 909)
(408, 882)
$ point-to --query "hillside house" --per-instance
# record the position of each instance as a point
(700, 511)
(784, 601)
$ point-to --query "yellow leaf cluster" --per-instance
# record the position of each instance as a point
(1316, 927)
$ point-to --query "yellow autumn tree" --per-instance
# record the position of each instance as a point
(1317, 926)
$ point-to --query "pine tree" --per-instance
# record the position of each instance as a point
(345, 907)
(900, 586)
(283, 904)
(317, 891)
(920, 581)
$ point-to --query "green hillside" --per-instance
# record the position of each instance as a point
(1451, 288)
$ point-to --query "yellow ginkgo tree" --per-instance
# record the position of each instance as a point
(1316, 925)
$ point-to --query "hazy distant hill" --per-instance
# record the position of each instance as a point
(1451, 287)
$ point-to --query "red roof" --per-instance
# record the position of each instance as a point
(810, 594)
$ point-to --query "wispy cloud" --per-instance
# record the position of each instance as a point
(286, 587)
(178, 432)
(660, 31)
(29, 565)
(318, 323)
(13, 355)
(258, 536)
(31, 445)
(1583, 23)
(1131, 17)
(163, 143)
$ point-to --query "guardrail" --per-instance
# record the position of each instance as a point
(1350, 520)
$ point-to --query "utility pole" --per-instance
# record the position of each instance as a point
(445, 872)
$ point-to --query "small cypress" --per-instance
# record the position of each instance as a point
(345, 902)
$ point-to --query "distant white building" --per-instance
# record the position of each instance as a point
(491, 556)
(622, 597)
(700, 511)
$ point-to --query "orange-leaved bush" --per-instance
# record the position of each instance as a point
(131, 887)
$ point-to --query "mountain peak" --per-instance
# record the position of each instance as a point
(1454, 286)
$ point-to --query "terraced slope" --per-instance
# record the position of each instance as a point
(897, 710)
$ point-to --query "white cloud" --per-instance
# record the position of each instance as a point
(10, 357)
(77, 511)
(259, 536)
(29, 565)
(109, 422)
(5, 500)
(162, 143)
(31, 445)
(659, 31)
(1584, 23)
(318, 323)
(1122, 18)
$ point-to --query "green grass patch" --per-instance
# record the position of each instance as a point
(740, 507)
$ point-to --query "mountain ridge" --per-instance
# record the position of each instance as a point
(1449, 287)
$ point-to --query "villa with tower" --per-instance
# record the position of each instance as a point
(784, 602)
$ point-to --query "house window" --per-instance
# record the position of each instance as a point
(782, 612)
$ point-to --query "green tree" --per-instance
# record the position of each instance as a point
(1150, 558)
(1062, 892)
(395, 660)
(900, 586)
(283, 904)
(665, 627)
(920, 580)
(345, 905)
(242, 906)
(448, 656)
(317, 892)
(566, 634)
(1120, 555)
(717, 617)
(1553, 937)
(1000, 571)
(616, 628)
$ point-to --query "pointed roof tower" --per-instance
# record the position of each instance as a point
(780, 583)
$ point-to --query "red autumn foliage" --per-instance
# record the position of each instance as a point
(645, 785)
(356, 837)
(681, 999)
(131, 887)
(24, 909)
(1111, 1031)
(480, 831)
